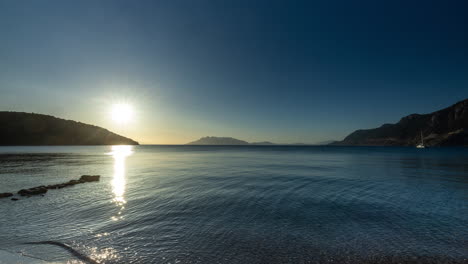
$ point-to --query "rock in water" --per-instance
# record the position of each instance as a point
(4, 195)
(73, 182)
(43, 189)
(33, 191)
(89, 178)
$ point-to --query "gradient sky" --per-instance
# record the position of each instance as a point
(283, 71)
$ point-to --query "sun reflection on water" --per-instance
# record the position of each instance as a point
(119, 153)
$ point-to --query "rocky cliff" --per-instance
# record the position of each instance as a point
(446, 127)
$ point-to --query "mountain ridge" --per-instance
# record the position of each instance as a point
(211, 140)
(445, 127)
(23, 129)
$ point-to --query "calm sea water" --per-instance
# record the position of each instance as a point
(228, 204)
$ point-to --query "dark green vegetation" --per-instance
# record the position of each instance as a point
(28, 129)
(446, 127)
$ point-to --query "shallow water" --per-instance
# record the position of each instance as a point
(237, 204)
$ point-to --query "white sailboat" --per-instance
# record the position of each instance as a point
(421, 145)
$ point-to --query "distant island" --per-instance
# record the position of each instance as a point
(326, 142)
(262, 143)
(24, 129)
(234, 141)
(446, 127)
(226, 141)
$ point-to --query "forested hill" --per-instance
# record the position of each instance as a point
(18, 128)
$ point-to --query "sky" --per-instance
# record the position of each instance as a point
(281, 71)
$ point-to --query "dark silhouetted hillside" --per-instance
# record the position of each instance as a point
(446, 127)
(18, 128)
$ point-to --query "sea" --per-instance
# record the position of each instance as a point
(237, 204)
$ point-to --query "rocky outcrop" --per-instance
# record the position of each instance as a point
(17, 128)
(89, 178)
(5, 195)
(33, 191)
(83, 179)
(446, 127)
(41, 190)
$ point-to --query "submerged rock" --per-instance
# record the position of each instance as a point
(4, 195)
(33, 191)
(73, 182)
(90, 178)
(14, 199)
(43, 189)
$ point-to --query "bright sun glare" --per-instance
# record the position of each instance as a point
(122, 113)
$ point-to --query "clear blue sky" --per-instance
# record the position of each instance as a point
(284, 71)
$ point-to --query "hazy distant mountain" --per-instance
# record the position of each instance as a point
(326, 142)
(225, 141)
(446, 127)
(262, 143)
(17, 128)
(218, 141)
(234, 141)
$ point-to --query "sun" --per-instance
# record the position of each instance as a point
(122, 113)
